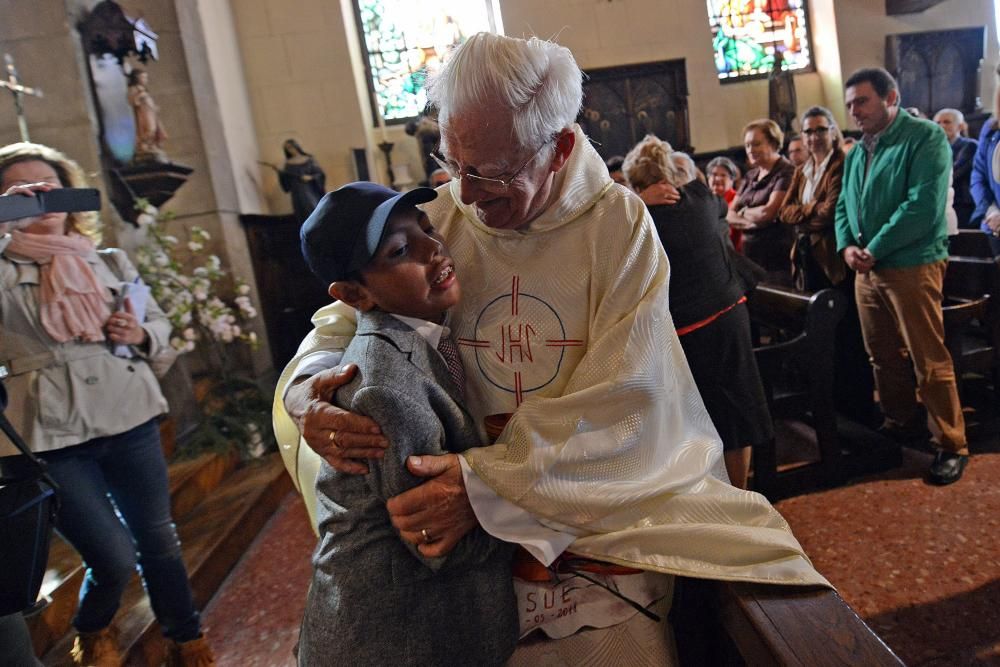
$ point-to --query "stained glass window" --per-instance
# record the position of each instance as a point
(405, 41)
(746, 35)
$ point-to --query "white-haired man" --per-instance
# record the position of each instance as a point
(564, 323)
(963, 152)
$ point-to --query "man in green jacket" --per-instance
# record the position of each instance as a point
(891, 229)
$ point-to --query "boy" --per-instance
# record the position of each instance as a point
(374, 600)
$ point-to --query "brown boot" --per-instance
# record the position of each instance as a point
(194, 653)
(96, 649)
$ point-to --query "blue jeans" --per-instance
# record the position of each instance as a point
(115, 511)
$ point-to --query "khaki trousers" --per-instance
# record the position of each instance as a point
(901, 308)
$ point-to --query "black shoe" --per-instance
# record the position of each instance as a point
(947, 468)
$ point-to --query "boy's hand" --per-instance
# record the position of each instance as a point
(437, 514)
(343, 438)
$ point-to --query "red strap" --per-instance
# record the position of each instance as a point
(708, 320)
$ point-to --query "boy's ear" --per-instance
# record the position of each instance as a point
(353, 294)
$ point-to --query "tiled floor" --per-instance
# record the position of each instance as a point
(254, 619)
(921, 564)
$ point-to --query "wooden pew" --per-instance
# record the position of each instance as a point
(971, 309)
(970, 243)
(736, 623)
(805, 325)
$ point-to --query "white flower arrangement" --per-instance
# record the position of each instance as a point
(190, 297)
(190, 288)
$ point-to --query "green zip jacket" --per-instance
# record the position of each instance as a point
(898, 213)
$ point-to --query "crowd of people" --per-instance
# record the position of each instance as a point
(590, 314)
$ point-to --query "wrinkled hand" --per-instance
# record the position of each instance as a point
(659, 194)
(343, 438)
(993, 222)
(439, 506)
(859, 260)
(124, 327)
(737, 221)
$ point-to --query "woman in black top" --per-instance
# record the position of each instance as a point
(754, 211)
(707, 303)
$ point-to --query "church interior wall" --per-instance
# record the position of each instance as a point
(863, 27)
(301, 79)
(306, 81)
(40, 32)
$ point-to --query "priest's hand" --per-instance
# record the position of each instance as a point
(437, 514)
(343, 438)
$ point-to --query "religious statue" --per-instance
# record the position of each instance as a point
(302, 178)
(782, 105)
(149, 131)
(428, 135)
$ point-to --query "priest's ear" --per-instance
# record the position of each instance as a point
(565, 141)
(353, 293)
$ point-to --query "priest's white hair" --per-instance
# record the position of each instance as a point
(537, 81)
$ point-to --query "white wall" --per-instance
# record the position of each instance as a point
(618, 32)
(863, 26)
(302, 82)
(306, 80)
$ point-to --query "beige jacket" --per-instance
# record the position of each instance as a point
(64, 394)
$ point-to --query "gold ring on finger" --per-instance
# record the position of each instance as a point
(427, 538)
(333, 437)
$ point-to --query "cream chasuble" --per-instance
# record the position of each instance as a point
(565, 324)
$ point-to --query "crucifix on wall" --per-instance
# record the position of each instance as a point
(18, 90)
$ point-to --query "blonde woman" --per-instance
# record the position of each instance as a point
(91, 415)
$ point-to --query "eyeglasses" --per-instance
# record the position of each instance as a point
(498, 184)
(815, 130)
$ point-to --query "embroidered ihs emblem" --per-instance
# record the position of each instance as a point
(520, 342)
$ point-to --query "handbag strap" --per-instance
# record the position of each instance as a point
(15, 438)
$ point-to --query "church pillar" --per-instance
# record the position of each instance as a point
(223, 108)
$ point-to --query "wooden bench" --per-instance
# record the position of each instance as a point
(797, 370)
(735, 623)
(971, 309)
(970, 243)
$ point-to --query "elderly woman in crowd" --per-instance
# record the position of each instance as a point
(89, 413)
(754, 211)
(986, 175)
(722, 176)
(811, 202)
(706, 303)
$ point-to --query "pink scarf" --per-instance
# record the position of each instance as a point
(72, 302)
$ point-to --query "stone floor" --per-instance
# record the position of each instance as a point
(253, 621)
(920, 564)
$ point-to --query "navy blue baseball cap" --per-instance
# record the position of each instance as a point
(343, 232)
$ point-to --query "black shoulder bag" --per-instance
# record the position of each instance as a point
(28, 504)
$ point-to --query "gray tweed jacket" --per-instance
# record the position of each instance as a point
(374, 600)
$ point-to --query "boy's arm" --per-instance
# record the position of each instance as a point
(414, 429)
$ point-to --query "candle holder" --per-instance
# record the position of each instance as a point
(386, 147)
